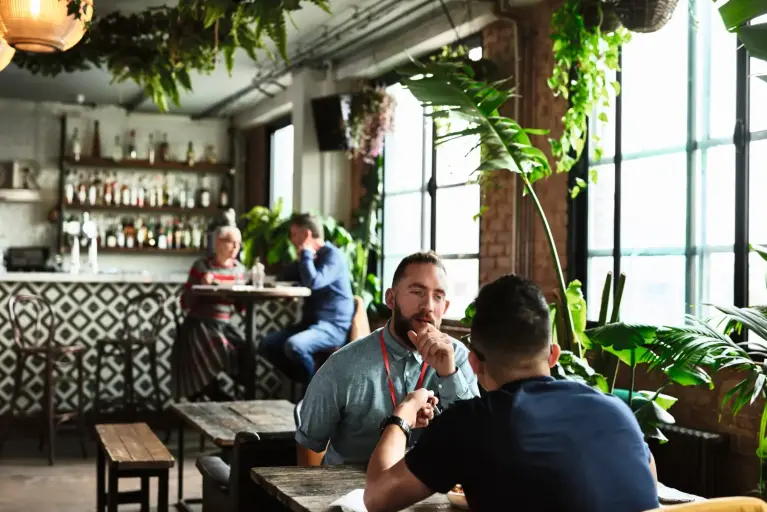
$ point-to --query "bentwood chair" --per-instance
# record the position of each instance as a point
(34, 334)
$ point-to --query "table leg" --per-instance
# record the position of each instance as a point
(113, 491)
(100, 477)
(162, 492)
(180, 461)
(145, 494)
(250, 337)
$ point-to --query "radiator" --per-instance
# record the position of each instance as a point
(689, 460)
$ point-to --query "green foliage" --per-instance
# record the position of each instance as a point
(738, 17)
(159, 47)
(583, 57)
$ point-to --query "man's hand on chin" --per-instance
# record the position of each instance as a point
(436, 349)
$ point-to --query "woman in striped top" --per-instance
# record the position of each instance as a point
(208, 343)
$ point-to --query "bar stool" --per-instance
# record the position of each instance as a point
(129, 343)
(36, 344)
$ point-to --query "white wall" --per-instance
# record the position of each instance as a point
(32, 131)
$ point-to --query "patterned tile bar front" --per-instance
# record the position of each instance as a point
(88, 310)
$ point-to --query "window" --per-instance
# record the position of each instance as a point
(663, 208)
(430, 201)
(281, 168)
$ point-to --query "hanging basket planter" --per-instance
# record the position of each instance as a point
(645, 15)
(600, 14)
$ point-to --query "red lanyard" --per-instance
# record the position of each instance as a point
(388, 373)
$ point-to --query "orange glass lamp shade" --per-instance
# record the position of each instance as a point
(39, 26)
(86, 15)
(6, 54)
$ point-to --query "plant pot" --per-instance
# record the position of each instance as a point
(645, 15)
(605, 18)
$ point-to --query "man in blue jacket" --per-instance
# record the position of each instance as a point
(327, 313)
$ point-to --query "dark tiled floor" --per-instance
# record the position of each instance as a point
(28, 484)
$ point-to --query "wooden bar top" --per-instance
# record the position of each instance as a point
(313, 489)
(220, 421)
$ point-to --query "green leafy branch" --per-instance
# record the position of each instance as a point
(160, 47)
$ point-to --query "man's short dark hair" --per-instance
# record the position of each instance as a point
(417, 258)
(511, 320)
(308, 221)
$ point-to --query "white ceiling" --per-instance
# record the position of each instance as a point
(315, 38)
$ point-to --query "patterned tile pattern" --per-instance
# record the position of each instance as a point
(87, 312)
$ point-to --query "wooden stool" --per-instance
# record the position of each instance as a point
(131, 340)
(132, 451)
(35, 339)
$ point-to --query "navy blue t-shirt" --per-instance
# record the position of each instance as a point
(539, 444)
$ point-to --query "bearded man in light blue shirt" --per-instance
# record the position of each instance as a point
(361, 384)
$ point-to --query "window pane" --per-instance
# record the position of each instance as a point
(653, 203)
(655, 87)
(599, 266)
(389, 266)
(457, 159)
(403, 148)
(757, 280)
(716, 81)
(716, 197)
(717, 278)
(281, 160)
(463, 278)
(758, 98)
(655, 289)
(402, 223)
(602, 209)
(604, 131)
(757, 186)
(457, 231)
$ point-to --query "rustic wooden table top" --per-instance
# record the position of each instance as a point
(313, 489)
(251, 292)
(220, 421)
(133, 446)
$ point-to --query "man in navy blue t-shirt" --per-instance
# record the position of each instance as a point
(530, 443)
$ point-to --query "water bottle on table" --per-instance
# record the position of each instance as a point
(257, 274)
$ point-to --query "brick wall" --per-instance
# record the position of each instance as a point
(511, 234)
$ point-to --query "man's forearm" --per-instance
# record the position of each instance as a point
(391, 447)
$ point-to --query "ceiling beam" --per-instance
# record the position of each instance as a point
(135, 102)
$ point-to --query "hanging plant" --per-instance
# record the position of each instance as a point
(371, 117)
(584, 54)
(159, 47)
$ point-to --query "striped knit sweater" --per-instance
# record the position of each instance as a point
(209, 307)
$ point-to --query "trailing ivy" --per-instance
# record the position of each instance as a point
(583, 57)
(160, 47)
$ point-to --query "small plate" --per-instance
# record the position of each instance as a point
(458, 499)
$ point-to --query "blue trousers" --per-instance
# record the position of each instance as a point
(292, 350)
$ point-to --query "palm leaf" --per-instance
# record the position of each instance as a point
(753, 318)
(738, 17)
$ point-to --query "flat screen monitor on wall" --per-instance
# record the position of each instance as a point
(330, 115)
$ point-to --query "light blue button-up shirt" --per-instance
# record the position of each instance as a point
(349, 396)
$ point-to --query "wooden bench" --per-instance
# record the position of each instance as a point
(132, 451)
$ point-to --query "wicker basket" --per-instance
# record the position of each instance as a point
(607, 22)
(645, 15)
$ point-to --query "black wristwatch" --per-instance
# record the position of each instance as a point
(396, 420)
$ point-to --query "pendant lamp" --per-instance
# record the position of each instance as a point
(6, 54)
(86, 14)
(38, 26)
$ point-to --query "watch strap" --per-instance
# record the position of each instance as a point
(396, 420)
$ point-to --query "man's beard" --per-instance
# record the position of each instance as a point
(402, 325)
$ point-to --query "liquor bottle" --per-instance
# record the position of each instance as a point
(130, 234)
(223, 193)
(140, 193)
(117, 150)
(150, 150)
(96, 144)
(120, 233)
(178, 235)
(162, 240)
(204, 192)
(76, 146)
(108, 187)
(187, 239)
(169, 234)
(190, 201)
(82, 191)
(196, 235)
(126, 196)
(164, 148)
(112, 235)
(164, 192)
(132, 152)
(141, 232)
(92, 191)
(181, 195)
(190, 154)
(117, 197)
(69, 188)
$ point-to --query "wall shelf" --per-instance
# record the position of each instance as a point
(169, 210)
(144, 165)
(19, 195)
(142, 250)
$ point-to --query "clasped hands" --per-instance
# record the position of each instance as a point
(418, 408)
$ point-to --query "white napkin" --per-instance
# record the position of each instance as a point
(352, 502)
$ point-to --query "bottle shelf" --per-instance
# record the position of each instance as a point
(144, 165)
(141, 250)
(169, 210)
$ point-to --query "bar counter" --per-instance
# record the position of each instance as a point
(90, 307)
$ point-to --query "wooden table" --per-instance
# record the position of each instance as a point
(250, 295)
(220, 422)
(313, 489)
